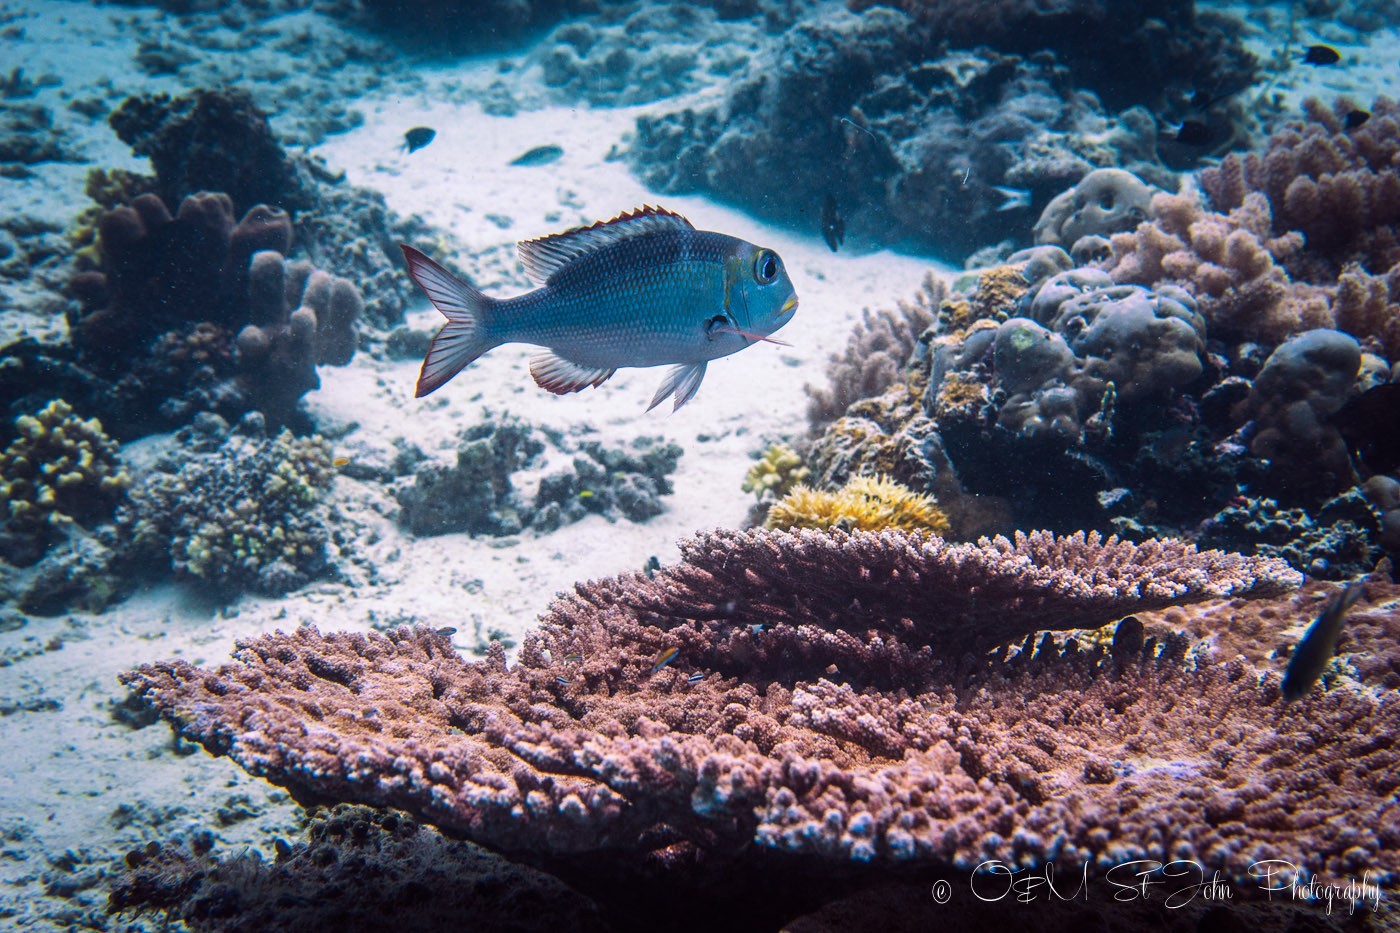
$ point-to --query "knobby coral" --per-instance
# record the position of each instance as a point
(60, 469)
(1337, 186)
(721, 703)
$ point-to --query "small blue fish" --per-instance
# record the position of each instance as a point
(664, 658)
(695, 678)
(643, 289)
(540, 155)
(562, 681)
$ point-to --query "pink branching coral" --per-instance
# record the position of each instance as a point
(876, 354)
(1232, 264)
(919, 588)
(618, 736)
(1338, 187)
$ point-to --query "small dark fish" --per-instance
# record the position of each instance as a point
(664, 658)
(1318, 644)
(417, 138)
(1370, 424)
(653, 564)
(540, 155)
(1321, 55)
(447, 631)
(1355, 118)
(833, 224)
(1194, 133)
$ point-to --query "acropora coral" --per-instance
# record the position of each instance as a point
(865, 503)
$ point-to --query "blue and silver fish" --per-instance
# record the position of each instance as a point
(643, 289)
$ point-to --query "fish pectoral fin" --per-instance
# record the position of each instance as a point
(555, 374)
(683, 380)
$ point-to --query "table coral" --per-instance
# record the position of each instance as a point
(828, 727)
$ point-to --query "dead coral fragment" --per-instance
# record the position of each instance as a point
(866, 503)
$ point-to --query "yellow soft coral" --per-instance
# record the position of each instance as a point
(777, 472)
(866, 503)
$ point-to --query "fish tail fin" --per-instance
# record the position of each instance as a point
(467, 333)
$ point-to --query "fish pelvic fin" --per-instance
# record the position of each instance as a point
(553, 373)
(683, 380)
(467, 333)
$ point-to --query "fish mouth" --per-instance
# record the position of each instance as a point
(788, 306)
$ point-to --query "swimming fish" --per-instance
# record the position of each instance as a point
(417, 138)
(1355, 118)
(1321, 55)
(540, 155)
(1194, 133)
(833, 224)
(1370, 424)
(1014, 198)
(1318, 644)
(664, 658)
(643, 289)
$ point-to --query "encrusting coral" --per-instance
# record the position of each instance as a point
(60, 469)
(804, 691)
(865, 503)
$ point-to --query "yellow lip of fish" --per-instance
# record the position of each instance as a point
(788, 305)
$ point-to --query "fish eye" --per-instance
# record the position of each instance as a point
(765, 267)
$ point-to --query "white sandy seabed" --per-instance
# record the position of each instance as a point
(78, 788)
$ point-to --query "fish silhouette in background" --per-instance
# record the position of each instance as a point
(540, 155)
(1370, 424)
(417, 138)
(1318, 644)
(833, 224)
(1321, 55)
(1356, 118)
(643, 289)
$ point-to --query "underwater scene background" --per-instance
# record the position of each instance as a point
(1017, 548)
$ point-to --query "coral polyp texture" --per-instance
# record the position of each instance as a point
(866, 503)
(644, 719)
(60, 469)
(241, 517)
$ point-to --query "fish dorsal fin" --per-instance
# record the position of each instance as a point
(546, 255)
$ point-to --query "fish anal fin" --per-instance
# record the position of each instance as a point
(683, 381)
(553, 373)
(546, 255)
